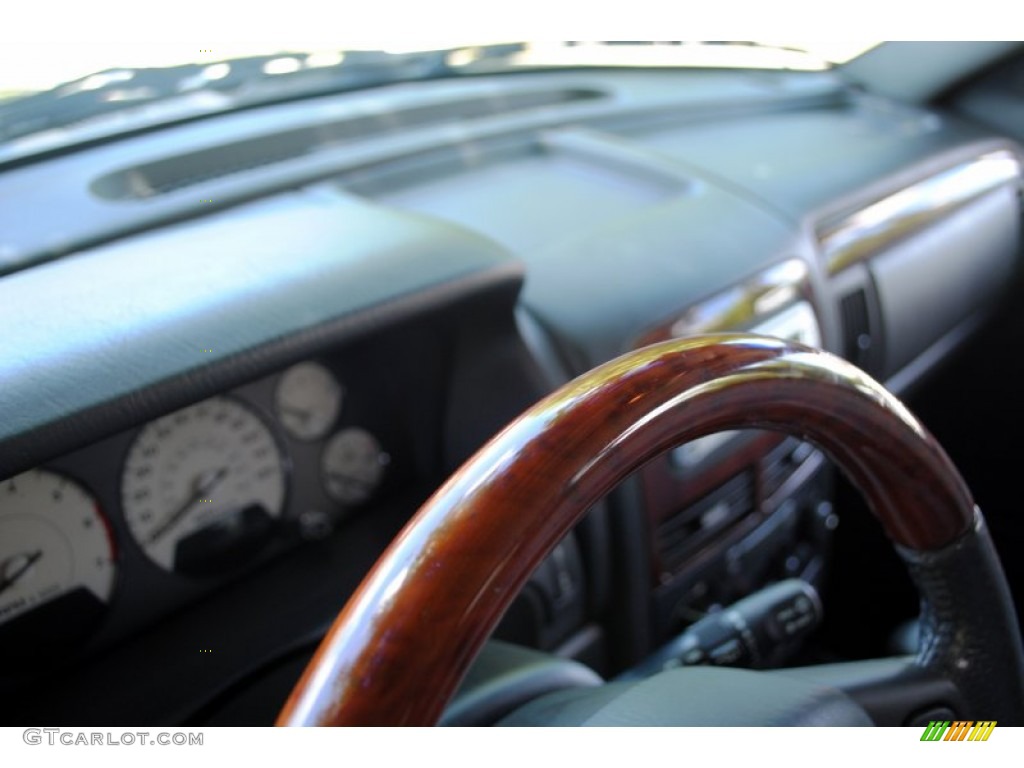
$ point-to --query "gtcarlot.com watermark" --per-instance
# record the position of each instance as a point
(72, 738)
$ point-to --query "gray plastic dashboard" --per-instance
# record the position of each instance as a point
(624, 198)
(147, 274)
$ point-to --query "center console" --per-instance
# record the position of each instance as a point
(735, 511)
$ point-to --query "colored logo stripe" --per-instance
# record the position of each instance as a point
(934, 730)
(982, 730)
(958, 730)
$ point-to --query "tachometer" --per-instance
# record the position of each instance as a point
(56, 554)
(203, 487)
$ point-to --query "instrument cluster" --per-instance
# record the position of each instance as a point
(156, 516)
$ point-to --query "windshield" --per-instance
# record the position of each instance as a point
(53, 96)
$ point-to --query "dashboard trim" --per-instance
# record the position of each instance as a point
(857, 236)
(742, 306)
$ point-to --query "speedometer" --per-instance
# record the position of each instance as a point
(203, 487)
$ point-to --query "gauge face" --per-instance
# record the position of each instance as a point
(55, 545)
(352, 465)
(308, 400)
(202, 487)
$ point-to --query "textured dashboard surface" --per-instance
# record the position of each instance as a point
(172, 304)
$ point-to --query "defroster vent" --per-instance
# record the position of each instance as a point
(169, 174)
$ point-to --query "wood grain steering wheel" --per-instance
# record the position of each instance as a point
(400, 647)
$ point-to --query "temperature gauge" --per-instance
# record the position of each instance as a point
(353, 465)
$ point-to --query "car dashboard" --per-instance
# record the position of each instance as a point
(241, 351)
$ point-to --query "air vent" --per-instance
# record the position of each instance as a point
(858, 339)
(173, 173)
(777, 466)
(678, 537)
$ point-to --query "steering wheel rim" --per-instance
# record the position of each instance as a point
(399, 648)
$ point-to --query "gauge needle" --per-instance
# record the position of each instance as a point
(205, 483)
(299, 413)
(9, 581)
(352, 480)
